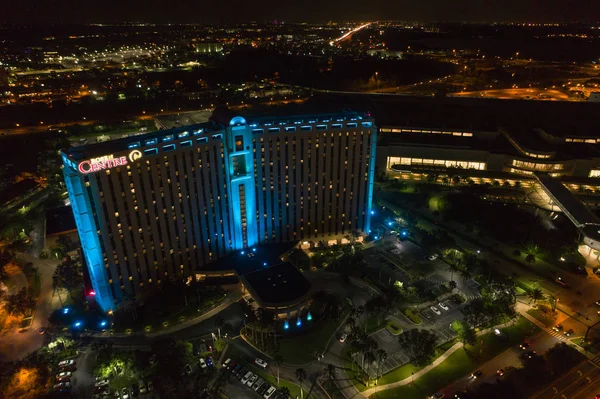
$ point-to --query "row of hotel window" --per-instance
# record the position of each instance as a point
(435, 162)
(395, 130)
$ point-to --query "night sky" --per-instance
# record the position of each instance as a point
(227, 11)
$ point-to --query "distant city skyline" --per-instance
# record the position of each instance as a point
(214, 12)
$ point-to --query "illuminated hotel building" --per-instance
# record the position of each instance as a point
(163, 205)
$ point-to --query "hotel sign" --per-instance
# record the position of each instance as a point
(107, 162)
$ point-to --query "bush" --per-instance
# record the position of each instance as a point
(413, 316)
(393, 328)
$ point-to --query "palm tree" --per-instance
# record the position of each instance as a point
(465, 274)
(278, 361)
(369, 357)
(285, 391)
(330, 371)
(536, 295)
(301, 376)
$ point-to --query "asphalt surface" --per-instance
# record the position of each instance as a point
(582, 382)
(510, 358)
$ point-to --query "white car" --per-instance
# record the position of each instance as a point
(251, 380)
(260, 362)
(438, 395)
(226, 363)
(246, 377)
(202, 363)
(435, 310)
(433, 256)
(269, 392)
(65, 363)
(101, 382)
(443, 306)
(343, 338)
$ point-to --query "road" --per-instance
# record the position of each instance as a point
(581, 383)
(510, 358)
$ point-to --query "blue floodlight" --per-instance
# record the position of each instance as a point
(243, 252)
(78, 324)
(372, 212)
(299, 322)
(103, 323)
(66, 310)
(390, 223)
(253, 249)
(376, 237)
(286, 325)
(404, 233)
(264, 263)
(309, 316)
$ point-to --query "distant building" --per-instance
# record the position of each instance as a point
(209, 48)
(164, 205)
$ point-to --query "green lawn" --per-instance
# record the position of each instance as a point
(372, 324)
(300, 349)
(458, 364)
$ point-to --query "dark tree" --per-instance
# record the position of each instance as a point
(419, 344)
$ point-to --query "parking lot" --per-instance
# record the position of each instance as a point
(247, 382)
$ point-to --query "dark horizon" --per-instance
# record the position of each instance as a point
(209, 12)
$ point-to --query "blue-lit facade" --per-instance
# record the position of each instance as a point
(164, 205)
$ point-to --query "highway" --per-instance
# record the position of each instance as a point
(348, 34)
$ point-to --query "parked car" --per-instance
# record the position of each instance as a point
(143, 388)
(251, 380)
(64, 376)
(226, 363)
(150, 386)
(269, 392)
(343, 338)
(558, 327)
(257, 384)
(135, 390)
(438, 395)
(500, 372)
(187, 369)
(63, 385)
(569, 332)
(202, 363)
(209, 362)
(435, 310)
(102, 382)
(263, 388)
(530, 354)
(443, 306)
(65, 363)
(125, 393)
(246, 377)
(433, 256)
(260, 362)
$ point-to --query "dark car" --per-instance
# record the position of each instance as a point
(529, 354)
(524, 345)
(477, 374)
(135, 390)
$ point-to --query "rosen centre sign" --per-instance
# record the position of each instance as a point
(107, 162)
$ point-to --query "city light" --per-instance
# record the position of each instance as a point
(66, 310)
(372, 212)
(299, 322)
(286, 325)
(264, 263)
(243, 252)
(103, 323)
(92, 293)
(253, 249)
(308, 316)
(404, 233)
(78, 324)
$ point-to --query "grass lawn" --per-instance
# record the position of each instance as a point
(458, 364)
(121, 381)
(294, 389)
(546, 318)
(300, 349)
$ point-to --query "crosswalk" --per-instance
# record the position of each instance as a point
(596, 360)
(471, 297)
(558, 335)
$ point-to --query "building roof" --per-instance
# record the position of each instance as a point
(281, 285)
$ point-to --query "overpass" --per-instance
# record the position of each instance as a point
(580, 215)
